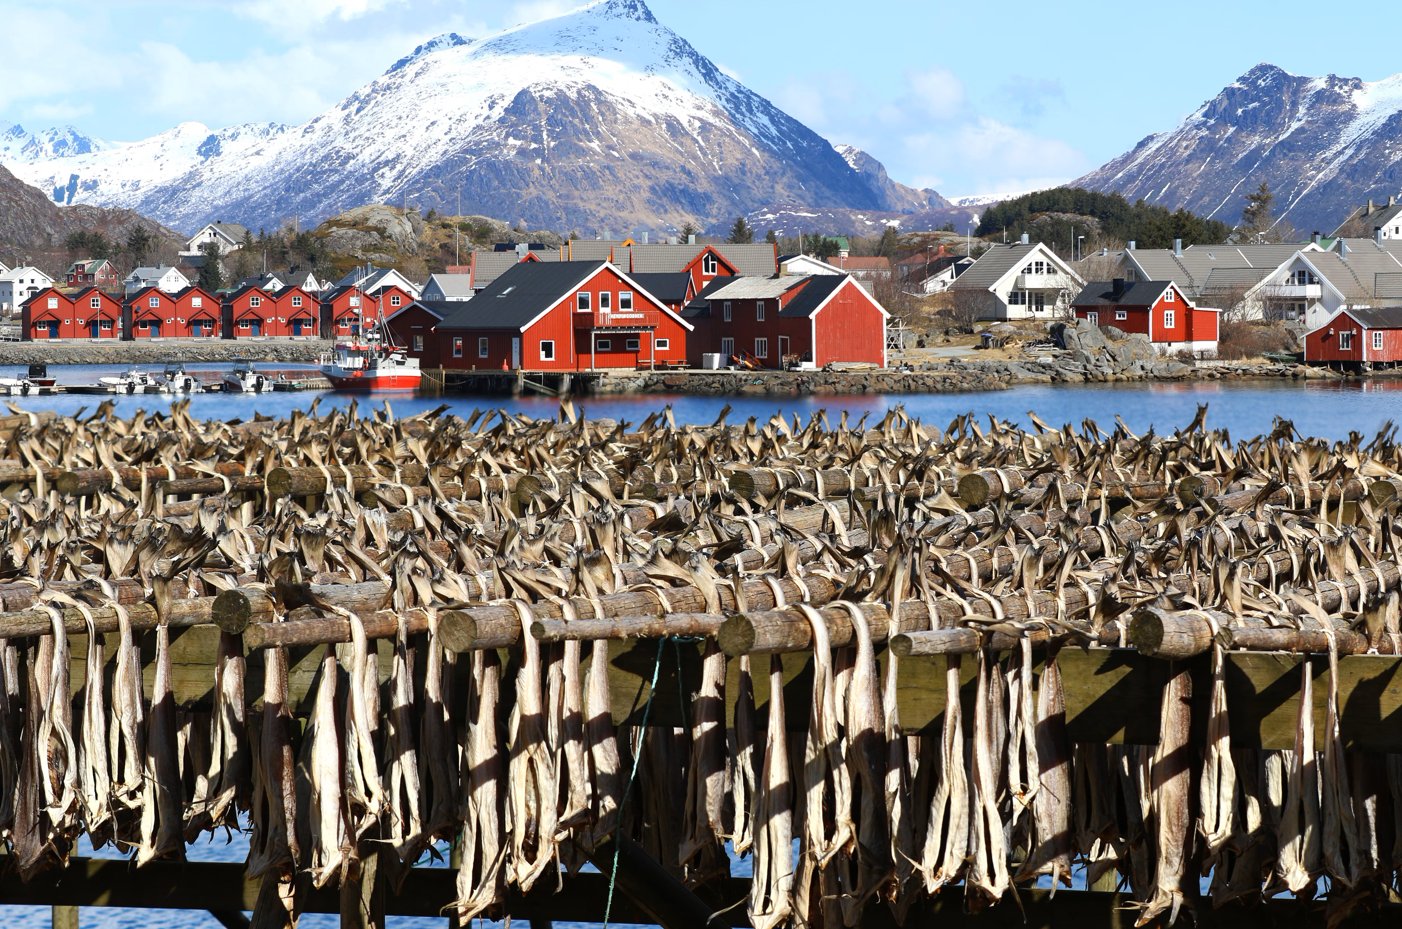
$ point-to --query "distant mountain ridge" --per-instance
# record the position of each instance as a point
(599, 118)
(1323, 144)
(31, 221)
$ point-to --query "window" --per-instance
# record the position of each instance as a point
(197, 302)
(1017, 298)
(95, 303)
(727, 347)
(255, 301)
(604, 345)
(457, 346)
(154, 301)
(296, 300)
(1346, 341)
(547, 350)
(418, 343)
(725, 311)
(1039, 302)
(1377, 341)
(107, 324)
(355, 300)
(243, 324)
(1168, 319)
(1122, 314)
(1093, 318)
(759, 311)
(625, 301)
(761, 348)
(605, 301)
(708, 264)
(581, 302)
(481, 347)
(394, 299)
(661, 345)
(1168, 296)
(53, 303)
(630, 345)
(144, 324)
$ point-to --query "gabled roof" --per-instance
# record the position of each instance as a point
(459, 284)
(1001, 260)
(1387, 286)
(1191, 269)
(135, 295)
(593, 249)
(671, 287)
(816, 290)
(1221, 279)
(232, 295)
(755, 288)
(854, 263)
(439, 308)
(488, 266)
(150, 273)
(233, 231)
(1387, 317)
(747, 260)
(1135, 293)
(77, 295)
(1353, 276)
(89, 265)
(520, 294)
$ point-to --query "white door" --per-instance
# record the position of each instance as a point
(515, 352)
(1093, 318)
(727, 348)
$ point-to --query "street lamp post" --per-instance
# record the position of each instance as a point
(1078, 246)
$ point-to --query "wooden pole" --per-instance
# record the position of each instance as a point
(64, 917)
(668, 901)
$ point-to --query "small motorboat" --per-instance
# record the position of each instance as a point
(177, 381)
(40, 376)
(132, 381)
(243, 379)
(21, 387)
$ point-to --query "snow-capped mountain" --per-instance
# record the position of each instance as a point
(601, 117)
(1324, 144)
(17, 145)
(893, 195)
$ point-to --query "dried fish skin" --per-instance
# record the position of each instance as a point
(744, 783)
(331, 848)
(771, 888)
(1051, 805)
(1217, 782)
(532, 797)
(94, 777)
(274, 845)
(866, 757)
(602, 739)
(1171, 773)
(705, 786)
(165, 792)
(988, 877)
(1299, 862)
(481, 878)
(437, 741)
(401, 775)
(576, 787)
(947, 833)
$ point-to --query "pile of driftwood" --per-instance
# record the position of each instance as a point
(435, 607)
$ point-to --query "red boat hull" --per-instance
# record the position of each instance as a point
(370, 381)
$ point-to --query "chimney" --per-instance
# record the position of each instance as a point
(1117, 287)
(1378, 235)
(1343, 250)
(1315, 236)
(1130, 245)
(1391, 199)
(671, 240)
(522, 249)
(1370, 209)
(644, 238)
(691, 240)
(1177, 248)
(1024, 239)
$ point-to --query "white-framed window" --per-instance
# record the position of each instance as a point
(296, 300)
(547, 349)
(605, 301)
(725, 311)
(482, 347)
(457, 346)
(244, 324)
(1377, 341)
(1168, 296)
(761, 348)
(708, 264)
(354, 300)
(1168, 319)
(197, 302)
(631, 345)
(625, 301)
(95, 303)
(581, 302)
(1093, 318)
(107, 324)
(661, 345)
(395, 299)
(153, 301)
(1017, 298)
(53, 303)
(255, 301)
(727, 347)
(418, 343)
(1039, 302)
(759, 311)
(1122, 314)
(144, 324)
(604, 345)
(1346, 341)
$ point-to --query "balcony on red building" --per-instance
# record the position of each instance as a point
(620, 320)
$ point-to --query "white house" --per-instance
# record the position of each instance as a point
(274, 281)
(166, 278)
(1019, 281)
(451, 288)
(795, 265)
(19, 284)
(376, 279)
(228, 235)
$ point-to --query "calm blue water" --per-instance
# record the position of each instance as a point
(1327, 410)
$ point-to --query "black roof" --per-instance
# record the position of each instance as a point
(1387, 317)
(326, 296)
(700, 306)
(232, 295)
(818, 289)
(519, 295)
(669, 288)
(1136, 293)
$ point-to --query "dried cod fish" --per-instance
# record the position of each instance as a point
(866, 756)
(947, 831)
(274, 843)
(1217, 782)
(1171, 774)
(744, 785)
(602, 739)
(436, 740)
(705, 786)
(331, 848)
(481, 873)
(771, 888)
(401, 777)
(162, 815)
(1339, 824)
(1051, 805)
(1298, 862)
(576, 801)
(531, 803)
(988, 878)
(94, 775)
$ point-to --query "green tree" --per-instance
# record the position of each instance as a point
(771, 237)
(890, 241)
(822, 247)
(88, 244)
(741, 233)
(244, 258)
(1149, 225)
(139, 242)
(688, 230)
(211, 274)
(1258, 216)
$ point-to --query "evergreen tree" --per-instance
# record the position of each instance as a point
(1258, 216)
(741, 233)
(771, 237)
(890, 241)
(822, 247)
(139, 242)
(688, 230)
(211, 274)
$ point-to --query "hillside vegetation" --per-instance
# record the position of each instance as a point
(1058, 216)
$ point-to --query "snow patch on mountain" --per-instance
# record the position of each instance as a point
(437, 43)
(19, 145)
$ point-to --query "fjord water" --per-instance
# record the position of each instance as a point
(1329, 411)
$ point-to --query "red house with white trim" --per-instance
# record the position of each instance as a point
(1157, 309)
(561, 316)
(1356, 337)
(296, 311)
(412, 326)
(252, 312)
(811, 320)
(197, 313)
(342, 310)
(152, 313)
(85, 314)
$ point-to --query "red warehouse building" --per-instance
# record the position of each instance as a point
(412, 326)
(1157, 309)
(153, 313)
(561, 316)
(812, 321)
(1353, 338)
(251, 311)
(297, 311)
(196, 313)
(85, 314)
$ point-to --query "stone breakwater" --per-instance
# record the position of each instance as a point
(800, 383)
(213, 351)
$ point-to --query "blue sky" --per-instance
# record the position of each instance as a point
(966, 98)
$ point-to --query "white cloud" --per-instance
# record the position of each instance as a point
(730, 72)
(57, 112)
(305, 12)
(934, 92)
(990, 156)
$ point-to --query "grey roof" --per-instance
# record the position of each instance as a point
(1388, 286)
(657, 259)
(367, 282)
(1355, 275)
(1191, 270)
(593, 250)
(1387, 317)
(751, 260)
(1221, 279)
(488, 266)
(233, 230)
(265, 280)
(756, 288)
(748, 260)
(149, 273)
(457, 284)
(669, 288)
(1136, 293)
(816, 289)
(519, 295)
(993, 264)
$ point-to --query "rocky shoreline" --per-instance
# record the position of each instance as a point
(145, 352)
(799, 383)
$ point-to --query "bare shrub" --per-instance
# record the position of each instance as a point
(1239, 339)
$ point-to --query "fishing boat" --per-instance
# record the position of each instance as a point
(131, 381)
(243, 379)
(177, 381)
(40, 376)
(21, 387)
(371, 362)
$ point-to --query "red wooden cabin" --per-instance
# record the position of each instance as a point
(413, 327)
(1352, 338)
(561, 316)
(152, 313)
(297, 311)
(812, 321)
(253, 313)
(342, 310)
(1157, 309)
(85, 314)
(196, 313)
